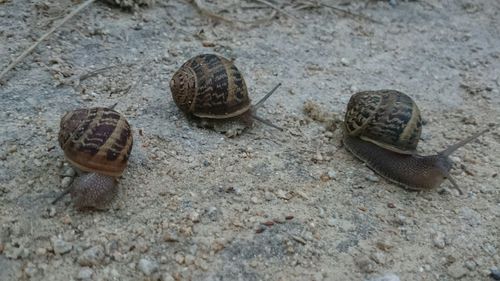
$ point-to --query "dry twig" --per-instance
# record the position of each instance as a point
(45, 36)
(198, 4)
(309, 4)
(265, 2)
(349, 13)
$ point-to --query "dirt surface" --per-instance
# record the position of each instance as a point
(267, 205)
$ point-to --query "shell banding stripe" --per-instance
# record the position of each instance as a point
(212, 83)
(387, 118)
(101, 141)
(401, 124)
(183, 84)
(360, 112)
(221, 90)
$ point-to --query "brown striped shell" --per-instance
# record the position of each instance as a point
(210, 86)
(387, 118)
(96, 140)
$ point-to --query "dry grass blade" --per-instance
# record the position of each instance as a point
(204, 10)
(349, 13)
(79, 79)
(278, 9)
(198, 4)
(45, 36)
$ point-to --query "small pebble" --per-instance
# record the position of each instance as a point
(401, 219)
(324, 177)
(255, 200)
(332, 174)
(30, 270)
(179, 258)
(60, 246)
(40, 251)
(268, 196)
(473, 218)
(344, 61)
(372, 178)
(12, 149)
(85, 273)
(489, 248)
(438, 239)
(189, 259)
(213, 213)
(194, 216)
(456, 270)
(170, 236)
(66, 181)
(167, 277)
(92, 256)
(378, 257)
(470, 264)
(69, 172)
(51, 212)
(16, 252)
(386, 277)
(147, 266)
(495, 273)
(365, 264)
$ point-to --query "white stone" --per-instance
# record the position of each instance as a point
(147, 266)
(386, 277)
(85, 273)
(60, 246)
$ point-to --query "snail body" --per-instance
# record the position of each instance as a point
(212, 91)
(97, 141)
(382, 128)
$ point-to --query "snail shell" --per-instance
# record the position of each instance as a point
(387, 118)
(382, 129)
(97, 141)
(212, 90)
(210, 86)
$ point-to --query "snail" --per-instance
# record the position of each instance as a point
(96, 141)
(382, 128)
(211, 90)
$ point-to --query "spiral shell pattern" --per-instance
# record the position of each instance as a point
(96, 140)
(210, 86)
(388, 118)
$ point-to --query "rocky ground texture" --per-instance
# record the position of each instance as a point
(267, 205)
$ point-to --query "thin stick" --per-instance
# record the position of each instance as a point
(204, 10)
(45, 36)
(100, 70)
(277, 9)
(346, 12)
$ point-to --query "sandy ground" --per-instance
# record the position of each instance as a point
(268, 205)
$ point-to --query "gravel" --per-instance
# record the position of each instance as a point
(147, 266)
(269, 204)
(385, 277)
(85, 273)
(92, 256)
(60, 246)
